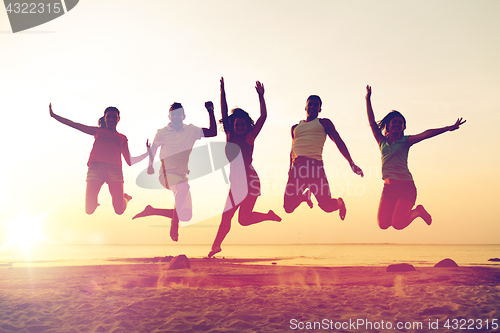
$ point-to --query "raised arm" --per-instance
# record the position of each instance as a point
(263, 110)
(412, 139)
(223, 108)
(223, 102)
(84, 128)
(212, 130)
(371, 117)
(335, 137)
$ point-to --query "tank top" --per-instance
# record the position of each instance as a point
(308, 140)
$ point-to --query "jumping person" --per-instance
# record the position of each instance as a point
(241, 133)
(105, 163)
(399, 193)
(176, 141)
(307, 175)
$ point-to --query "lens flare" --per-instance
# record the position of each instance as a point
(24, 231)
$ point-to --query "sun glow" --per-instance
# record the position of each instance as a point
(24, 231)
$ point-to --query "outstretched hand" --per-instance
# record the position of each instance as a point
(457, 124)
(357, 170)
(368, 92)
(209, 105)
(259, 87)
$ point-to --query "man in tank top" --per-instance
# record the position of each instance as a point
(307, 175)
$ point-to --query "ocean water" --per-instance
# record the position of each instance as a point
(327, 255)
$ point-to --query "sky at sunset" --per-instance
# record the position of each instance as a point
(434, 61)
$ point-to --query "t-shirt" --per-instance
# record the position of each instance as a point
(308, 139)
(395, 159)
(176, 146)
(108, 147)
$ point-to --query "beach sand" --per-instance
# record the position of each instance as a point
(221, 295)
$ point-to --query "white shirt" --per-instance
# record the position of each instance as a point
(176, 146)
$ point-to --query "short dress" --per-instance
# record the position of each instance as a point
(244, 180)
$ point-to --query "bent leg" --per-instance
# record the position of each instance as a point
(385, 212)
(224, 227)
(294, 197)
(321, 189)
(174, 226)
(183, 202)
(151, 211)
(118, 197)
(404, 214)
(91, 194)
(247, 216)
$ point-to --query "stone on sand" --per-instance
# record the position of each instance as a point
(403, 267)
(179, 262)
(446, 263)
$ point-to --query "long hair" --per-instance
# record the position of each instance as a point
(228, 123)
(384, 123)
(102, 122)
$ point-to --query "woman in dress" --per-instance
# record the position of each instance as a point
(241, 133)
(399, 193)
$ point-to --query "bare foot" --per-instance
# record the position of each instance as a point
(273, 216)
(308, 200)
(148, 211)
(424, 215)
(342, 208)
(214, 252)
(174, 230)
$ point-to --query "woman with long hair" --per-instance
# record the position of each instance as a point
(241, 133)
(399, 193)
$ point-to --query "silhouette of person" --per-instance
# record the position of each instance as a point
(105, 163)
(176, 141)
(399, 193)
(306, 175)
(241, 133)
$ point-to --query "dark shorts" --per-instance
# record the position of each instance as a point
(105, 172)
(307, 173)
(405, 190)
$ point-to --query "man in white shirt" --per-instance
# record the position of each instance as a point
(176, 141)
